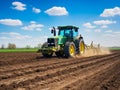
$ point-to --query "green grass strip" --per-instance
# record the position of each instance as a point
(19, 50)
(115, 48)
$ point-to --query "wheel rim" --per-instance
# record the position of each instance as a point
(72, 50)
(81, 47)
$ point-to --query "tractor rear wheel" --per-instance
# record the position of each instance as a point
(81, 46)
(69, 49)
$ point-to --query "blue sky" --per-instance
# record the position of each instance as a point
(28, 22)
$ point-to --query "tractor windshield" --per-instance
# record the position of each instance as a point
(67, 32)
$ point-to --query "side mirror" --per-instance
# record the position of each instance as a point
(52, 31)
(76, 30)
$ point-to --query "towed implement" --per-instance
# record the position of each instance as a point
(67, 43)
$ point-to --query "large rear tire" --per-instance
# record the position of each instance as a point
(80, 46)
(69, 49)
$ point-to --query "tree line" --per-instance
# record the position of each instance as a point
(10, 46)
(13, 46)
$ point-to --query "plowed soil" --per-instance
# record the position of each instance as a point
(30, 71)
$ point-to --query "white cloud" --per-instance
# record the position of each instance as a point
(36, 10)
(104, 26)
(33, 26)
(111, 12)
(19, 6)
(10, 33)
(97, 30)
(115, 32)
(88, 30)
(11, 22)
(118, 32)
(104, 22)
(88, 25)
(32, 22)
(108, 31)
(109, 35)
(14, 35)
(57, 11)
(4, 38)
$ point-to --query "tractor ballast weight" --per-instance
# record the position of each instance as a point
(67, 43)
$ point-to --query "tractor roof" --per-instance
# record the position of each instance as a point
(67, 27)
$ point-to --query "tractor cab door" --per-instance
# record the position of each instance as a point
(75, 33)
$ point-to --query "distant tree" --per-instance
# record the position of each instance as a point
(39, 45)
(27, 46)
(11, 46)
(2, 46)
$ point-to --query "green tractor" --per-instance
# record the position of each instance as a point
(67, 43)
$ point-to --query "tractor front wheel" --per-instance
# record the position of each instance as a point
(45, 53)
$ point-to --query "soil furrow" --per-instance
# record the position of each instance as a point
(79, 74)
(30, 71)
(40, 68)
(97, 80)
(62, 72)
(45, 63)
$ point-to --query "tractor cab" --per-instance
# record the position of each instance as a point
(68, 31)
(65, 33)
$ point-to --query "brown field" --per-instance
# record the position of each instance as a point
(30, 71)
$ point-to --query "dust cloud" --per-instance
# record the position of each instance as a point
(94, 52)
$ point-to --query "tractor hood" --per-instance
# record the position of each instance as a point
(60, 39)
